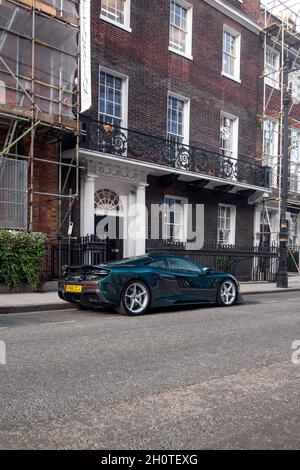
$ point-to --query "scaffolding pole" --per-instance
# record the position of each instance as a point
(281, 37)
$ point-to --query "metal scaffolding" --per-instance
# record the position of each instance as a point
(39, 102)
(281, 40)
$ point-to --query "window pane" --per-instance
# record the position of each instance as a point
(175, 118)
(110, 98)
(229, 53)
(113, 9)
(224, 224)
(182, 264)
(178, 27)
(173, 219)
(226, 136)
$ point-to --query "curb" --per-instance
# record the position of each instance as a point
(273, 291)
(33, 308)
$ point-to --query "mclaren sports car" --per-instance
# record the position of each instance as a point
(133, 285)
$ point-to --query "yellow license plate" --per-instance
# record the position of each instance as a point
(73, 288)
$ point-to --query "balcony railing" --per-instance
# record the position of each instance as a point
(151, 149)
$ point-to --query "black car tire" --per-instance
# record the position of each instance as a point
(135, 299)
(227, 293)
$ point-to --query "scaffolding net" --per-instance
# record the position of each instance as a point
(38, 56)
(281, 43)
(39, 99)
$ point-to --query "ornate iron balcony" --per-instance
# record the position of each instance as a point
(148, 148)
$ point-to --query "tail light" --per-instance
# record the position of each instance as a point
(81, 275)
(96, 275)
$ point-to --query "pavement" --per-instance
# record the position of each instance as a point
(27, 302)
(194, 378)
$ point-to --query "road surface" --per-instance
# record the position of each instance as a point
(197, 378)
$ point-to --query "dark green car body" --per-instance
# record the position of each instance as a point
(169, 280)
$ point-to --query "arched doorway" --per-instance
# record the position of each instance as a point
(109, 221)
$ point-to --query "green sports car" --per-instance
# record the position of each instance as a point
(133, 285)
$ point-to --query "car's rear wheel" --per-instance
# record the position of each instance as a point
(135, 299)
(227, 293)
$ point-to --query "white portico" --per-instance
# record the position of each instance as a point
(116, 191)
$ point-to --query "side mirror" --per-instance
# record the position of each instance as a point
(206, 270)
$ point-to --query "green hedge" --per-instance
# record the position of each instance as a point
(21, 257)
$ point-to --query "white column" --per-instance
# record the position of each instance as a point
(140, 219)
(257, 212)
(87, 205)
(275, 224)
(129, 243)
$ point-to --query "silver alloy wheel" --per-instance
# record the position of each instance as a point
(228, 292)
(136, 297)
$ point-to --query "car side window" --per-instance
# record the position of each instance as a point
(160, 263)
(182, 265)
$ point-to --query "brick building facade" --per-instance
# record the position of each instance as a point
(176, 119)
(194, 96)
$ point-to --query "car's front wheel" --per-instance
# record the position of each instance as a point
(135, 299)
(227, 293)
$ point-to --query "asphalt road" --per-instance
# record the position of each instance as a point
(204, 378)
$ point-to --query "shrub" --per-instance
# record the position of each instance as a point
(21, 257)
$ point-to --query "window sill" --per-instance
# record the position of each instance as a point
(235, 79)
(115, 23)
(182, 54)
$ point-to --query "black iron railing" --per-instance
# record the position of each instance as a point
(246, 262)
(78, 251)
(136, 145)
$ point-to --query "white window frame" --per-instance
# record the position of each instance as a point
(235, 133)
(126, 24)
(189, 20)
(293, 224)
(295, 160)
(237, 35)
(186, 115)
(271, 159)
(125, 87)
(274, 80)
(294, 84)
(232, 224)
(184, 221)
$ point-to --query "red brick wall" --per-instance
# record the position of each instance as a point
(210, 198)
(152, 70)
(249, 7)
